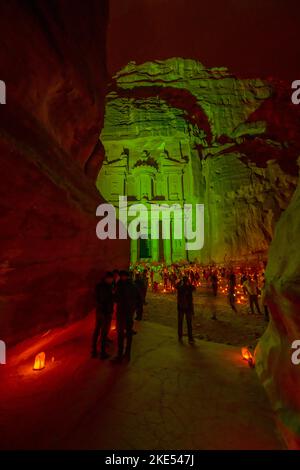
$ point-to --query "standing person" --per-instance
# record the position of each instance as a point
(116, 275)
(173, 279)
(231, 291)
(140, 285)
(214, 283)
(185, 307)
(244, 278)
(104, 311)
(151, 277)
(263, 300)
(145, 280)
(126, 298)
(252, 290)
(193, 277)
(156, 279)
(165, 278)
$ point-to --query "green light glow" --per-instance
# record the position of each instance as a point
(162, 138)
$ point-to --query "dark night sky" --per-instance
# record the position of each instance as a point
(251, 37)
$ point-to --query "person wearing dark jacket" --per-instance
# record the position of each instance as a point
(145, 280)
(214, 283)
(140, 285)
(104, 311)
(231, 291)
(185, 307)
(126, 299)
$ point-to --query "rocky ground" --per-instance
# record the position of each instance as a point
(239, 329)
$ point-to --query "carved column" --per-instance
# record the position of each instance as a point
(133, 251)
(155, 250)
(167, 252)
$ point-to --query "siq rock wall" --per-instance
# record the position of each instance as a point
(278, 373)
(54, 67)
(234, 133)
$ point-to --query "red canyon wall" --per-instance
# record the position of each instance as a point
(278, 372)
(54, 66)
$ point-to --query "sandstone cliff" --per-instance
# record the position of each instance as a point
(243, 158)
(279, 375)
(54, 66)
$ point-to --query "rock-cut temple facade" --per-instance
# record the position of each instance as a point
(177, 132)
(151, 176)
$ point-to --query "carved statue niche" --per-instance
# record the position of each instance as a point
(146, 160)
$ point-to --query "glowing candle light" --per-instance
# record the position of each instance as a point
(40, 361)
(247, 356)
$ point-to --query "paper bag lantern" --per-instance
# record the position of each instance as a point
(39, 362)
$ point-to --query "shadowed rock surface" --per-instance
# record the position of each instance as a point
(279, 375)
(54, 66)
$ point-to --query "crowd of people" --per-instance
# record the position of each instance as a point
(123, 294)
(240, 284)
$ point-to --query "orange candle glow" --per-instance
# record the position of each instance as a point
(40, 361)
(247, 356)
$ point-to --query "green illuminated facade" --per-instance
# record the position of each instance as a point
(172, 133)
(150, 176)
